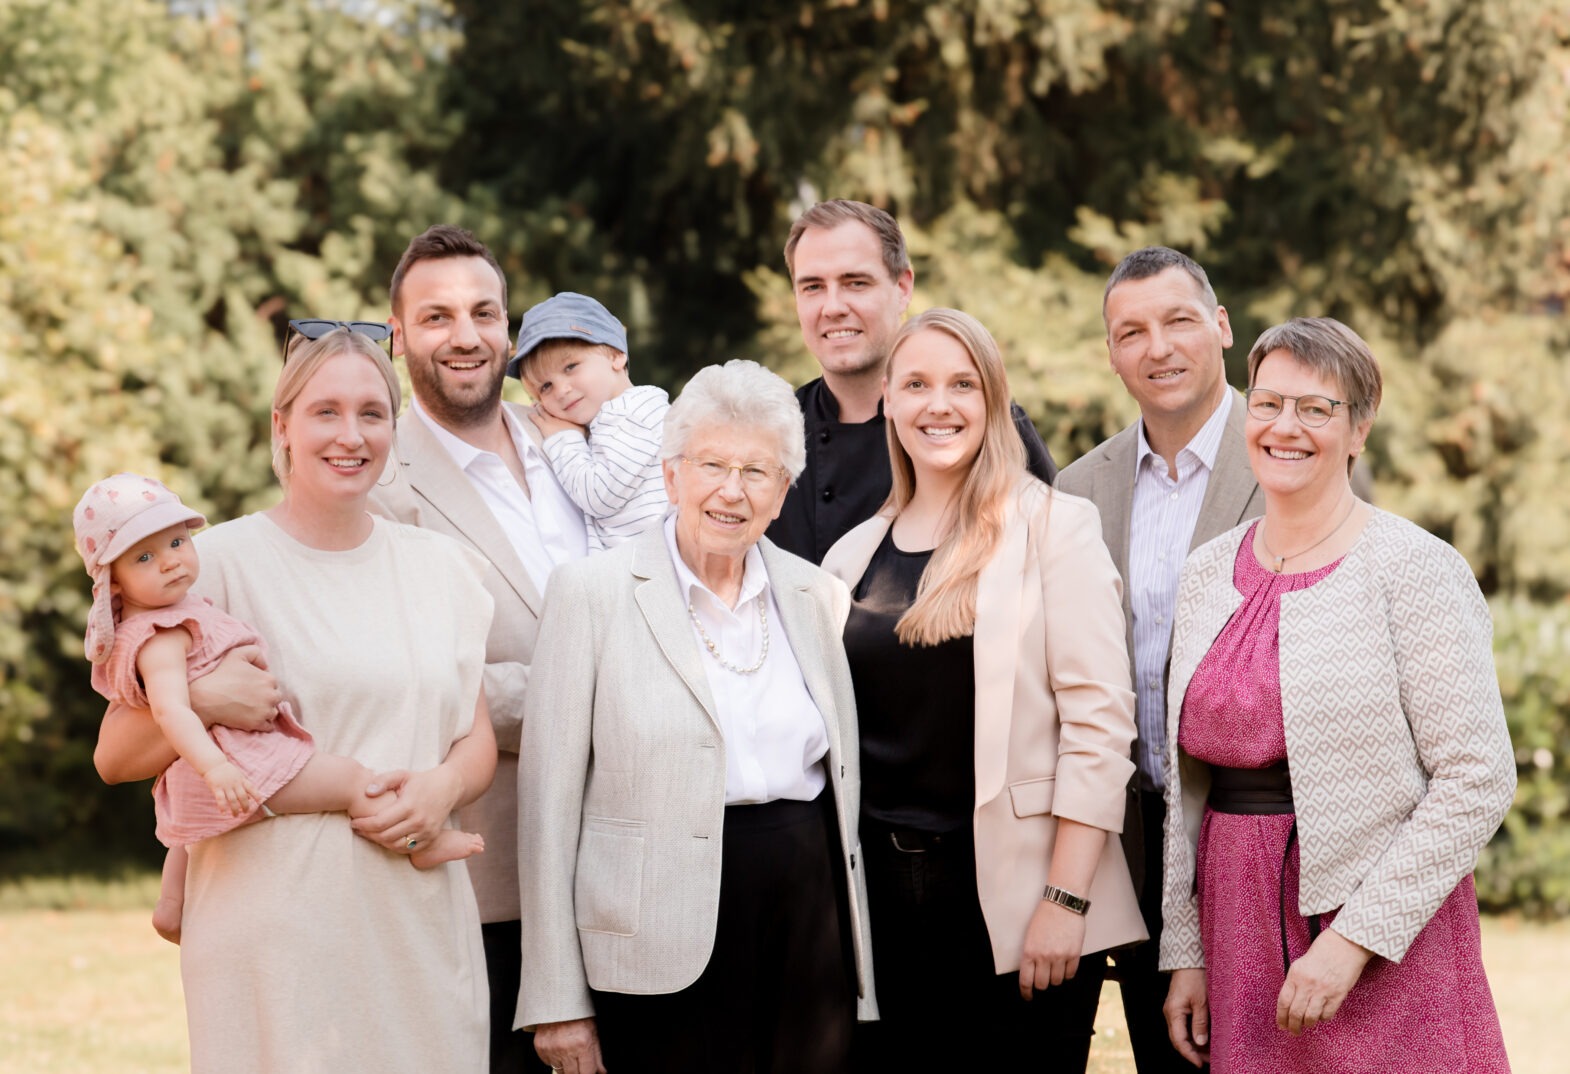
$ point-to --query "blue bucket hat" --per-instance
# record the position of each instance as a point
(567, 315)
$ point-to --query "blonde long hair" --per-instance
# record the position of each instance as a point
(945, 604)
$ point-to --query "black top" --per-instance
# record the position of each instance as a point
(847, 477)
(916, 706)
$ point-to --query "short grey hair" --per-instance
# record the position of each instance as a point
(1153, 261)
(1332, 350)
(740, 392)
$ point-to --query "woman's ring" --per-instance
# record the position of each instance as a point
(410, 845)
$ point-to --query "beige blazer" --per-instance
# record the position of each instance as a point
(621, 804)
(1105, 477)
(1054, 712)
(423, 487)
(1401, 761)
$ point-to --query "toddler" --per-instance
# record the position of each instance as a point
(147, 638)
(572, 356)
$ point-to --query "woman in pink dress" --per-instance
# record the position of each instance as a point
(1337, 757)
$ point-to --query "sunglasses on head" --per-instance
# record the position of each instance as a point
(312, 328)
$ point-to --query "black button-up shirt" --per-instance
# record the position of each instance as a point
(847, 476)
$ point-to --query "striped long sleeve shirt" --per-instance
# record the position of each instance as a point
(614, 476)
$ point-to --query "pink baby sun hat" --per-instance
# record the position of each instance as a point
(111, 517)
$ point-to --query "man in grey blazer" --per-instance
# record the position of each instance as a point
(1165, 485)
(469, 465)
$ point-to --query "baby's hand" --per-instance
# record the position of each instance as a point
(230, 788)
(549, 425)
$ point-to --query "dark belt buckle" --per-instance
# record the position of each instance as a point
(894, 838)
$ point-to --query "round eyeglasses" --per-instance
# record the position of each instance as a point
(1312, 410)
(754, 475)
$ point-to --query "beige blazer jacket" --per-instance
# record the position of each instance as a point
(621, 804)
(1054, 712)
(423, 487)
(1396, 738)
(1105, 477)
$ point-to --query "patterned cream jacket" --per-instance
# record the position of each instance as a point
(1401, 762)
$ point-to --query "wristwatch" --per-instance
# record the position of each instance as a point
(1067, 900)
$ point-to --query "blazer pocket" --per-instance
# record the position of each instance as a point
(608, 888)
(1032, 797)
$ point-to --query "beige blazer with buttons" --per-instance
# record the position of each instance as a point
(1054, 712)
(621, 803)
(423, 487)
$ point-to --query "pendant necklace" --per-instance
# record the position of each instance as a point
(1281, 561)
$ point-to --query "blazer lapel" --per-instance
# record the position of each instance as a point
(1199, 628)
(1231, 488)
(805, 628)
(995, 652)
(1113, 479)
(847, 560)
(432, 473)
(660, 599)
(1115, 473)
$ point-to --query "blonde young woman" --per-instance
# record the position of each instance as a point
(308, 943)
(986, 645)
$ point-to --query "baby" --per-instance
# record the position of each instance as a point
(147, 638)
(572, 356)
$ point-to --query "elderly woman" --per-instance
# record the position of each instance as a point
(688, 781)
(306, 946)
(1337, 757)
(987, 648)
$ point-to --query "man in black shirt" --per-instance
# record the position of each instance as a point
(853, 282)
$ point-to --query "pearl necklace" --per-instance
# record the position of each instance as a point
(714, 650)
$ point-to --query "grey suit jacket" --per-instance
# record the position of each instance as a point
(621, 803)
(423, 487)
(1105, 477)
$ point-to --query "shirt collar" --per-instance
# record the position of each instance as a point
(754, 579)
(1206, 443)
(823, 406)
(464, 453)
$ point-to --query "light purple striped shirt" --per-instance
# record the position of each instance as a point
(1161, 527)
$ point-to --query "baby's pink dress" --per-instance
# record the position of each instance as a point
(184, 805)
(1430, 1012)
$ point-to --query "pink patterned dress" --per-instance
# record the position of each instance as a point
(186, 810)
(1430, 1012)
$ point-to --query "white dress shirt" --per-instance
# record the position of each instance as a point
(774, 735)
(1161, 527)
(544, 525)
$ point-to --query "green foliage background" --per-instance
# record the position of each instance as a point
(179, 178)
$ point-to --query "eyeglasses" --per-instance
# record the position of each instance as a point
(1312, 410)
(312, 328)
(754, 475)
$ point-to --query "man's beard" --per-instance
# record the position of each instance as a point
(461, 407)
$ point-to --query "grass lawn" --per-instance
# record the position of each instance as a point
(88, 988)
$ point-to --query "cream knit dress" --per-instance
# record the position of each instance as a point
(307, 948)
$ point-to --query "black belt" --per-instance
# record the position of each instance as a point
(1262, 792)
(1251, 791)
(911, 840)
